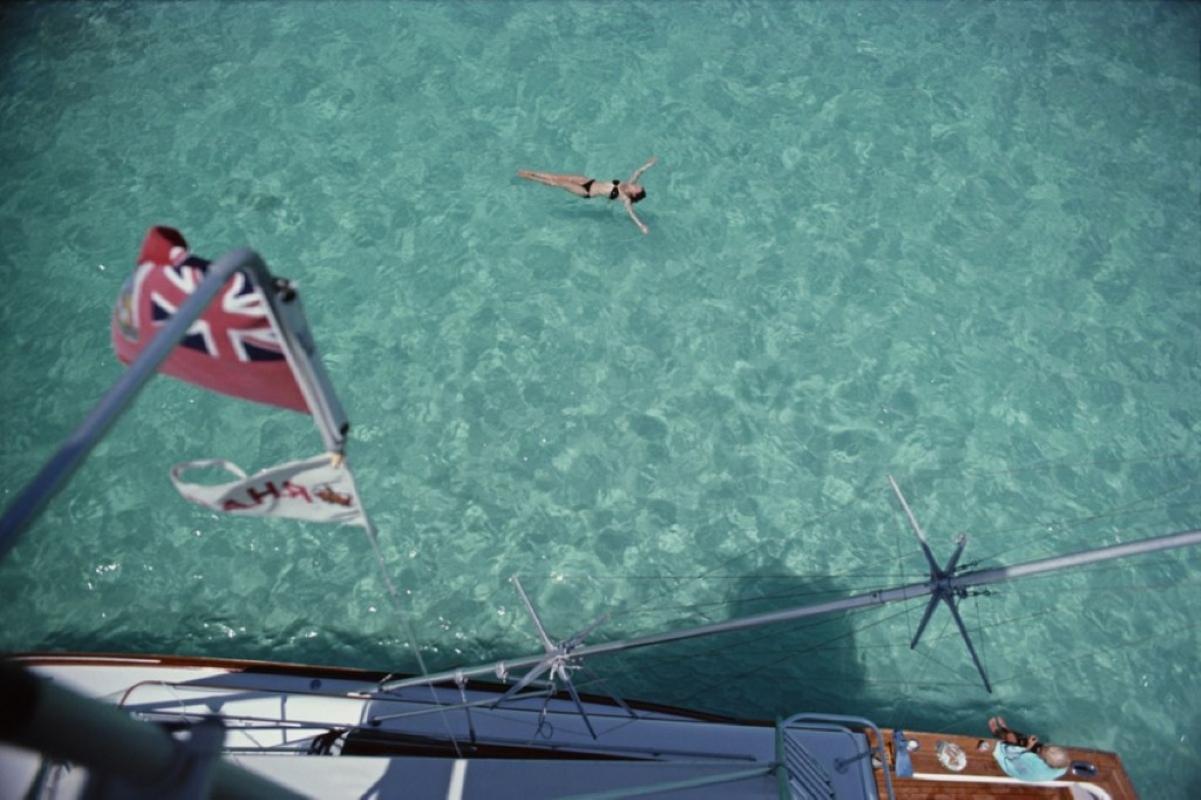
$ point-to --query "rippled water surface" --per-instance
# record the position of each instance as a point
(953, 242)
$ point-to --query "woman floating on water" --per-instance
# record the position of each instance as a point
(628, 191)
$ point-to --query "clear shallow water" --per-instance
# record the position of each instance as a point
(957, 243)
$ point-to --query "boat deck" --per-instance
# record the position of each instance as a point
(982, 778)
(271, 709)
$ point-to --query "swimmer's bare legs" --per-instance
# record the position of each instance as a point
(572, 183)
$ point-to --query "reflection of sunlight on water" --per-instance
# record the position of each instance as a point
(861, 250)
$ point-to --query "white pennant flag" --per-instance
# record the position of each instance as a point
(312, 490)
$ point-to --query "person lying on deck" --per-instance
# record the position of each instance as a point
(628, 191)
(1053, 756)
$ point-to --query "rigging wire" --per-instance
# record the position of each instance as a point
(945, 667)
(856, 495)
(640, 610)
(900, 554)
(842, 590)
(373, 537)
(980, 629)
(747, 575)
(1129, 644)
(943, 634)
(1050, 463)
(792, 655)
(864, 489)
(772, 635)
(815, 623)
(1068, 524)
(813, 684)
(641, 607)
(980, 624)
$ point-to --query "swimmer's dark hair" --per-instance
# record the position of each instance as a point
(641, 194)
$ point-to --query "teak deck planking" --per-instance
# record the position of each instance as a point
(1111, 775)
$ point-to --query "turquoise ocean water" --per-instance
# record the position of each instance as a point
(955, 242)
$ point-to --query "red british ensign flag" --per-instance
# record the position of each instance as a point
(231, 348)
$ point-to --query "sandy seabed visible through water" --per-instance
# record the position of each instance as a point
(955, 243)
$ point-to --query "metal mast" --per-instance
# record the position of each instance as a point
(944, 585)
(943, 588)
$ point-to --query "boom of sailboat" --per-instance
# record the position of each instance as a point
(944, 585)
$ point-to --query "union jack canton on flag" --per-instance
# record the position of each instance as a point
(232, 348)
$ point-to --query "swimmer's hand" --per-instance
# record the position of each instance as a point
(638, 172)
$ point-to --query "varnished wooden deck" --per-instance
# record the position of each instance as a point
(1111, 776)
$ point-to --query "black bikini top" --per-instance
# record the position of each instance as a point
(613, 192)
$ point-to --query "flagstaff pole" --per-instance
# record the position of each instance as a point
(286, 317)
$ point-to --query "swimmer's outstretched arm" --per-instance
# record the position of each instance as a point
(638, 172)
(630, 210)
